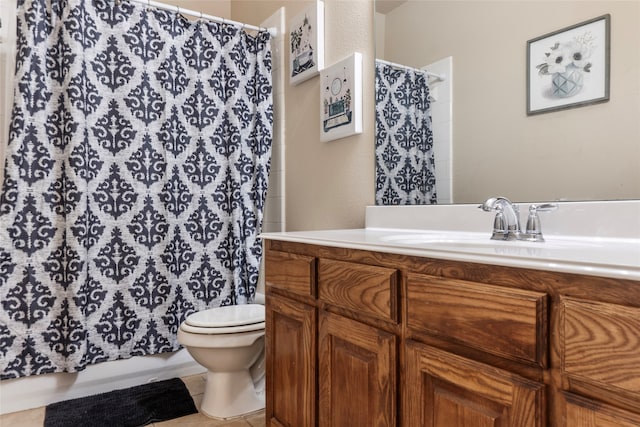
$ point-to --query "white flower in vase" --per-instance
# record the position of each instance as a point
(566, 63)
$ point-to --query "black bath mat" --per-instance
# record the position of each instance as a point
(129, 407)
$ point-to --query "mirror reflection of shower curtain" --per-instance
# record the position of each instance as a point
(405, 164)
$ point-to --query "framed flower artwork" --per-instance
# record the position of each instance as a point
(569, 68)
(341, 98)
(306, 43)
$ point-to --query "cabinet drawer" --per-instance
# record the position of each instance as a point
(600, 344)
(362, 288)
(507, 322)
(290, 272)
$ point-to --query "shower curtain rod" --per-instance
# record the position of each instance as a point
(436, 77)
(201, 15)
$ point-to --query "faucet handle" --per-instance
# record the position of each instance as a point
(533, 231)
(543, 207)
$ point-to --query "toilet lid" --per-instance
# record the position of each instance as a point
(227, 316)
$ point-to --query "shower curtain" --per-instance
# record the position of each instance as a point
(405, 164)
(135, 180)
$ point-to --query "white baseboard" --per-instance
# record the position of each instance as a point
(40, 390)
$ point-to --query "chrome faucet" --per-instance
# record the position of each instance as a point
(506, 224)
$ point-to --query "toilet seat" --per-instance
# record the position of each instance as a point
(226, 320)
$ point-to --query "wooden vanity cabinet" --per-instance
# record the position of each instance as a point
(291, 374)
(357, 357)
(599, 348)
(444, 389)
(583, 412)
(357, 373)
(331, 340)
(360, 338)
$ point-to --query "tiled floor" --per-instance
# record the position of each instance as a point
(195, 384)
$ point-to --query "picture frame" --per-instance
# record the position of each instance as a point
(341, 98)
(306, 43)
(569, 68)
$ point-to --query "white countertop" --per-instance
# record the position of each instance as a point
(618, 258)
(606, 252)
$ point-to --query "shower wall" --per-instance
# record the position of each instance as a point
(442, 123)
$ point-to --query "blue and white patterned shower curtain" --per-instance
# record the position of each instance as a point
(405, 164)
(135, 180)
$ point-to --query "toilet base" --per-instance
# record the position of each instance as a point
(230, 395)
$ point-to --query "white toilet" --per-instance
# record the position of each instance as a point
(229, 342)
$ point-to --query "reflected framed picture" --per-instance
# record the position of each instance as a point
(341, 99)
(306, 46)
(569, 68)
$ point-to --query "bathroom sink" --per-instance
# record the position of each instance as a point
(481, 241)
(434, 238)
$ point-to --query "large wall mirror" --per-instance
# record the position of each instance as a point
(586, 153)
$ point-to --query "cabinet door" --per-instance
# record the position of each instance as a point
(357, 366)
(445, 390)
(583, 412)
(600, 349)
(291, 363)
